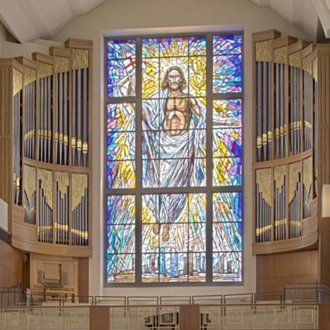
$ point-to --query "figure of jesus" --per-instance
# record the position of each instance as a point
(176, 157)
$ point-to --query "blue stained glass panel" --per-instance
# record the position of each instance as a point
(227, 142)
(121, 77)
(150, 47)
(197, 208)
(227, 236)
(227, 45)
(227, 267)
(197, 46)
(227, 113)
(176, 46)
(197, 76)
(120, 239)
(150, 78)
(227, 172)
(120, 268)
(197, 237)
(121, 146)
(121, 49)
(121, 117)
(121, 174)
(227, 207)
(227, 74)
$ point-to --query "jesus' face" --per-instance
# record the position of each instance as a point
(174, 80)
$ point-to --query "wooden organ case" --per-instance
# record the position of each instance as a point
(291, 158)
(45, 167)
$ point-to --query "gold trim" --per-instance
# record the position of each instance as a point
(45, 70)
(79, 185)
(264, 138)
(83, 234)
(263, 180)
(79, 145)
(17, 82)
(308, 124)
(270, 135)
(280, 222)
(315, 69)
(79, 59)
(261, 230)
(307, 64)
(294, 171)
(65, 139)
(30, 182)
(73, 142)
(308, 173)
(61, 227)
(62, 64)
(281, 55)
(30, 76)
(279, 177)
(259, 142)
(264, 51)
(46, 179)
(85, 148)
(295, 60)
(62, 180)
(277, 133)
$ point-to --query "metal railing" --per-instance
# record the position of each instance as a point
(143, 317)
(110, 300)
(289, 316)
(44, 318)
(293, 293)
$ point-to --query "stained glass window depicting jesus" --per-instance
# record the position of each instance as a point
(173, 149)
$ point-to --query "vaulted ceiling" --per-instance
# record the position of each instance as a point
(28, 20)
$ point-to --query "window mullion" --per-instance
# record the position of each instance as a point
(138, 163)
(209, 160)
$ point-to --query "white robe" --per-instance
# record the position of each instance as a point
(165, 168)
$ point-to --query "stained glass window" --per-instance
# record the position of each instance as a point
(174, 153)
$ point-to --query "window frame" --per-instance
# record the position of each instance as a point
(138, 191)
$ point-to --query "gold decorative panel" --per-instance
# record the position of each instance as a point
(307, 64)
(263, 180)
(30, 76)
(307, 173)
(264, 51)
(79, 185)
(62, 64)
(29, 182)
(46, 178)
(281, 55)
(295, 60)
(62, 180)
(18, 82)
(45, 70)
(294, 172)
(279, 177)
(79, 59)
(315, 73)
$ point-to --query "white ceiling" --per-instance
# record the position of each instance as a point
(28, 20)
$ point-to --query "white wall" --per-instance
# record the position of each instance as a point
(3, 34)
(127, 17)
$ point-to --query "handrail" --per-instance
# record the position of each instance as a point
(292, 293)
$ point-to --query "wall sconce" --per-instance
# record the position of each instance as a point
(326, 201)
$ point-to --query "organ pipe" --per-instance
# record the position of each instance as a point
(286, 108)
